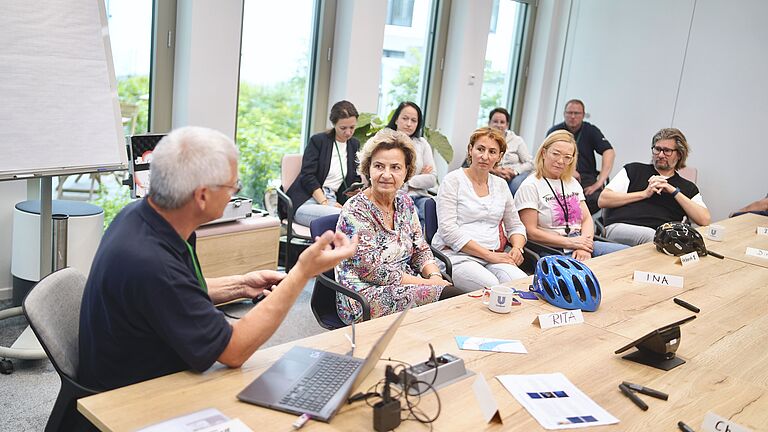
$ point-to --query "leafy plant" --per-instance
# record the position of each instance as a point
(368, 124)
(112, 201)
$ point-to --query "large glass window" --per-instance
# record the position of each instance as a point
(274, 87)
(406, 45)
(130, 34)
(502, 57)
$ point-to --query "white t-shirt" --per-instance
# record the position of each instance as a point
(336, 173)
(534, 193)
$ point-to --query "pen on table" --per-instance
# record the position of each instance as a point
(301, 421)
(646, 391)
(686, 305)
(633, 397)
(684, 427)
(715, 254)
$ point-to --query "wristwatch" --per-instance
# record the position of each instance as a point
(435, 274)
(675, 192)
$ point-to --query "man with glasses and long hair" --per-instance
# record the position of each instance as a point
(644, 196)
(589, 140)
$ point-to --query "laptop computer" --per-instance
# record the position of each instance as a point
(315, 382)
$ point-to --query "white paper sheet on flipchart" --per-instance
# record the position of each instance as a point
(557, 404)
(59, 108)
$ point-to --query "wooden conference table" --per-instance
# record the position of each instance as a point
(725, 349)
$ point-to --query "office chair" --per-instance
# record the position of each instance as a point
(323, 301)
(52, 308)
(290, 168)
(430, 228)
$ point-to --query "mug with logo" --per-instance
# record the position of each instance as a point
(499, 298)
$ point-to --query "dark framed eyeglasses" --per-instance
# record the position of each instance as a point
(667, 151)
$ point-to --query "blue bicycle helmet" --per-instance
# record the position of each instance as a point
(566, 283)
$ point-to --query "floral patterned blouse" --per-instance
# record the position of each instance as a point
(383, 257)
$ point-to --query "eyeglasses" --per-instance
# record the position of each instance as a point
(235, 189)
(574, 113)
(667, 151)
(565, 158)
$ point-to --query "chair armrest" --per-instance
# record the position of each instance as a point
(535, 249)
(442, 257)
(332, 284)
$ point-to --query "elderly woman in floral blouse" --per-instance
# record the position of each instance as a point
(393, 264)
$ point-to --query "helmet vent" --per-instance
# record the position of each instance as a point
(564, 291)
(592, 289)
(580, 291)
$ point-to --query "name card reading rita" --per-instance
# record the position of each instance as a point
(559, 319)
(762, 231)
(755, 252)
(658, 279)
(689, 259)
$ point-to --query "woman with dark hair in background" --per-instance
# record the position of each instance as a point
(408, 119)
(328, 167)
(517, 162)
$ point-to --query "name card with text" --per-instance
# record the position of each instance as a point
(658, 279)
(755, 252)
(559, 319)
(762, 231)
(714, 423)
(689, 259)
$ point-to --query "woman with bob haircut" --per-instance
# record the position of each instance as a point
(552, 205)
(393, 264)
(471, 206)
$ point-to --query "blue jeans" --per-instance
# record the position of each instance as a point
(516, 181)
(311, 209)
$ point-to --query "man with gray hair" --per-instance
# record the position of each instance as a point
(147, 309)
(642, 197)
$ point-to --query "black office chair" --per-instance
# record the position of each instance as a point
(430, 228)
(52, 308)
(323, 301)
(296, 235)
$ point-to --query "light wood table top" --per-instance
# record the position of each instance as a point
(740, 233)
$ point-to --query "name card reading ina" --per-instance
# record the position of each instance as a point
(658, 279)
(559, 319)
(714, 423)
(689, 259)
(762, 231)
(755, 252)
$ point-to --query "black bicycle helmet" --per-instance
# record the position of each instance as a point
(566, 283)
(676, 238)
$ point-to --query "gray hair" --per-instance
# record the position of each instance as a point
(186, 159)
(387, 139)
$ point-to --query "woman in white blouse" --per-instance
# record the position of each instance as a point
(408, 119)
(517, 162)
(471, 205)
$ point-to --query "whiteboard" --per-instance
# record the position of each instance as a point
(59, 111)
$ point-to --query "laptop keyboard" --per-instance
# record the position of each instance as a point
(315, 389)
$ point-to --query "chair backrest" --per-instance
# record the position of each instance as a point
(52, 308)
(323, 301)
(290, 169)
(689, 173)
(430, 219)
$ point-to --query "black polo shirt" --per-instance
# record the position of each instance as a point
(144, 314)
(589, 139)
(656, 210)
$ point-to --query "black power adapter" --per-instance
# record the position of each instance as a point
(386, 413)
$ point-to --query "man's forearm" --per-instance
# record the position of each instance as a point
(226, 288)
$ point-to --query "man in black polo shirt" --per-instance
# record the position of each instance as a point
(644, 196)
(589, 140)
(147, 310)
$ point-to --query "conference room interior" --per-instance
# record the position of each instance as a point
(638, 66)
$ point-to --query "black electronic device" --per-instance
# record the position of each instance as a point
(657, 348)
(353, 188)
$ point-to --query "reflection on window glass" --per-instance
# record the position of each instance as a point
(130, 34)
(502, 57)
(406, 37)
(273, 87)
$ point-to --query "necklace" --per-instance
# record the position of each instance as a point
(386, 209)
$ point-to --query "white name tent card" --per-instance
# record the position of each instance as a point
(689, 259)
(762, 231)
(485, 399)
(658, 279)
(559, 319)
(714, 423)
(755, 252)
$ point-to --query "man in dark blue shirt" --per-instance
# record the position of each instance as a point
(589, 140)
(147, 309)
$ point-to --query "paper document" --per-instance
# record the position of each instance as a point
(555, 402)
(490, 344)
(207, 420)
